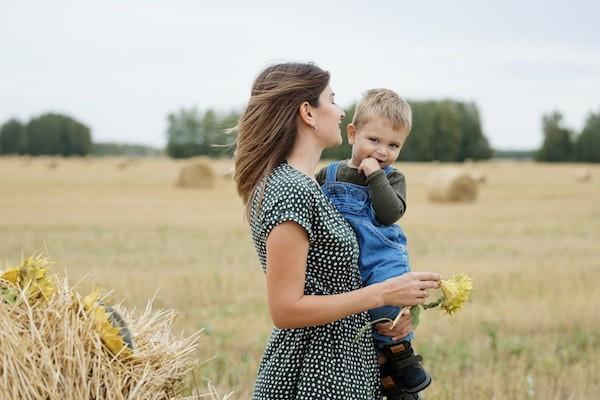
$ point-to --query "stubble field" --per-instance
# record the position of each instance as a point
(531, 242)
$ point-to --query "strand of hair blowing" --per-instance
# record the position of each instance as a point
(267, 129)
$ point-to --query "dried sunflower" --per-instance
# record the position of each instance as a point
(456, 290)
(109, 324)
(31, 277)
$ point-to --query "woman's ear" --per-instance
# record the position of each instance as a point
(307, 114)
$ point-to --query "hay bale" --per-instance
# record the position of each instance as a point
(196, 174)
(451, 184)
(583, 175)
(53, 346)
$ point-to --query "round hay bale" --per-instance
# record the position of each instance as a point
(451, 184)
(196, 174)
(583, 175)
(56, 344)
(478, 176)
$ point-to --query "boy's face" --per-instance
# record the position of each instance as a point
(376, 139)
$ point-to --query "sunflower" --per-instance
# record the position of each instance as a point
(110, 325)
(31, 277)
(456, 291)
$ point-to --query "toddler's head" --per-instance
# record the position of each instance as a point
(381, 124)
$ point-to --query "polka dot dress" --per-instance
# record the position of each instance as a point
(319, 362)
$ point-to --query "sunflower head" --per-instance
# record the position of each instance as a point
(109, 325)
(456, 291)
(31, 277)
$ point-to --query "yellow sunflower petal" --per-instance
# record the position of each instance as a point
(109, 334)
(31, 277)
(457, 291)
(11, 275)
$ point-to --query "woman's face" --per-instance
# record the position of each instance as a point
(328, 117)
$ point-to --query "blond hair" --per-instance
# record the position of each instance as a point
(383, 103)
(267, 128)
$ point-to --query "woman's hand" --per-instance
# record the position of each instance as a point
(409, 289)
(402, 328)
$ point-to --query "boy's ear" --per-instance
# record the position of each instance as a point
(351, 130)
(306, 114)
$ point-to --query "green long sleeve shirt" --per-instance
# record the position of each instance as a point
(387, 193)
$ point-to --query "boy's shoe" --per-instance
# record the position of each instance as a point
(390, 388)
(406, 366)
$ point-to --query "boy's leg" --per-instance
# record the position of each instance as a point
(390, 388)
(402, 367)
(405, 366)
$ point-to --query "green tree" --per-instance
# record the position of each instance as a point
(558, 143)
(473, 144)
(184, 136)
(12, 137)
(588, 142)
(418, 145)
(191, 133)
(447, 134)
(57, 134)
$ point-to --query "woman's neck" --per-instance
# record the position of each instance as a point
(304, 160)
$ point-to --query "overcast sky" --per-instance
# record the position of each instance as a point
(122, 66)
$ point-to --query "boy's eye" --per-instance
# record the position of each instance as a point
(394, 146)
(374, 140)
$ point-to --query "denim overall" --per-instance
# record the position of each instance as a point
(382, 247)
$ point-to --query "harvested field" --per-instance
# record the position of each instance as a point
(530, 243)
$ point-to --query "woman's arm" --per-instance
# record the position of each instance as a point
(287, 252)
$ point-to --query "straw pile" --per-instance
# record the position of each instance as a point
(56, 344)
(196, 174)
(583, 175)
(451, 184)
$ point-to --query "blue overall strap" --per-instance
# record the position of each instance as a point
(388, 169)
(332, 170)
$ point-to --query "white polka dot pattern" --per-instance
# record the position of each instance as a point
(319, 362)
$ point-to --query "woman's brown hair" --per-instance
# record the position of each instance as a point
(267, 128)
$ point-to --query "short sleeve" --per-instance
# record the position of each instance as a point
(292, 203)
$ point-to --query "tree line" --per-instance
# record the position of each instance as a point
(442, 130)
(562, 144)
(51, 134)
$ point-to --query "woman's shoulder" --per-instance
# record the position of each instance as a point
(287, 187)
(287, 180)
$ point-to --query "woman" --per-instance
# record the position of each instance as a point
(307, 250)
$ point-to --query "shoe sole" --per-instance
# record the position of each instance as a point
(422, 386)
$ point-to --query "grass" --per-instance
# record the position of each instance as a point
(530, 242)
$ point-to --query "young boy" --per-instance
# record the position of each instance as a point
(372, 197)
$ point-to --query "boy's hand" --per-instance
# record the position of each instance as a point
(402, 328)
(368, 166)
